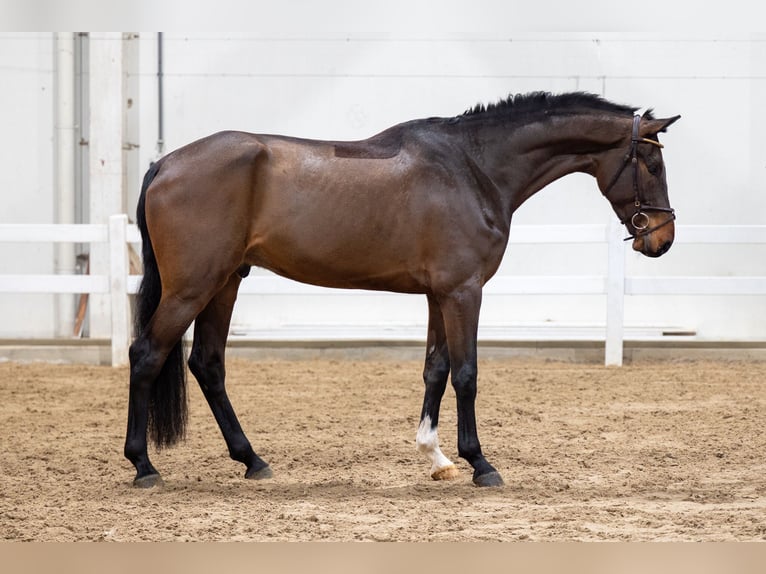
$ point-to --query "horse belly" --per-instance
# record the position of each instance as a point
(339, 254)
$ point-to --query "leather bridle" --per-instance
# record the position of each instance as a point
(639, 220)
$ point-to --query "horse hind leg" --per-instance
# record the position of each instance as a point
(207, 364)
(150, 357)
(435, 375)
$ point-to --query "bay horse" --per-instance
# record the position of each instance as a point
(423, 207)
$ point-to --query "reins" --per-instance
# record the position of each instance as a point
(639, 220)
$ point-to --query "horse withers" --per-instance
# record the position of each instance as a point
(423, 207)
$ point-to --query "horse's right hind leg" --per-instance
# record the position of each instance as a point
(206, 363)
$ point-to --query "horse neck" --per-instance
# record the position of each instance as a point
(521, 159)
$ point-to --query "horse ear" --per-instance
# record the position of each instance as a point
(653, 127)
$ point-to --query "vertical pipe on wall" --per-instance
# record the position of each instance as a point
(81, 178)
(65, 172)
(160, 87)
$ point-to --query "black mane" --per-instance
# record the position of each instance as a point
(533, 103)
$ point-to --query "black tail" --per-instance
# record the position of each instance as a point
(167, 402)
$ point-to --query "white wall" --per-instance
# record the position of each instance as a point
(347, 79)
(26, 172)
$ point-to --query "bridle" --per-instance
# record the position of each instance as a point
(639, 220)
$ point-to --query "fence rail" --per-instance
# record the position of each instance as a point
(118, 283)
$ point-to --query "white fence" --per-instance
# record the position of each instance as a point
(615, 284)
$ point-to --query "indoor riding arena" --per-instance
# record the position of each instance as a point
(435, 284)
(659, 451)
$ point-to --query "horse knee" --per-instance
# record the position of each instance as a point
(436, 374)
(464, 382)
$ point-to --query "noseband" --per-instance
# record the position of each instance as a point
(639, 220)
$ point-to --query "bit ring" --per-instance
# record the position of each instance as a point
(640, 221)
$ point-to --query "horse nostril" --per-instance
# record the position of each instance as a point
(664, 248)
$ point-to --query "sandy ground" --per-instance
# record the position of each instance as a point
(669, 451)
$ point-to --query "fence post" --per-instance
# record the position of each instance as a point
(615, 295)
(118, 288)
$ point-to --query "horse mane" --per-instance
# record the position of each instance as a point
(534, 103)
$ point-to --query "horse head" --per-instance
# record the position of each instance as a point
(634, 183)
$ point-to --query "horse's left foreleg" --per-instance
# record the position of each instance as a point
(206, 363)
(460, 310)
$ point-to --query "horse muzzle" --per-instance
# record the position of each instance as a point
(658, 237)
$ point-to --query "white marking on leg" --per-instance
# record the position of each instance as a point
(428, 443)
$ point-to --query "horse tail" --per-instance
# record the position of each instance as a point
(168, 408)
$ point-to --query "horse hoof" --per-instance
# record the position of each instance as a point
(148, 481)
(259, 474)
(446, 473)
(489, 479)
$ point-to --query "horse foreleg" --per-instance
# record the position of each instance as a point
(460, 310)
(435, 375)
(206, 363)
